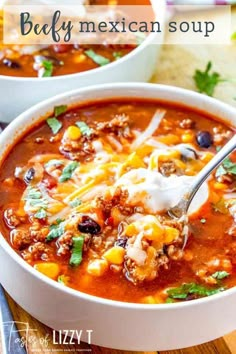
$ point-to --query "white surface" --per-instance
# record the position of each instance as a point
(116, 324)
(158, 192)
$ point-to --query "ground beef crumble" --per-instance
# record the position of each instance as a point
(119, 200)
(13, 220)
(20, 238)
(119, 126)
(37, 251)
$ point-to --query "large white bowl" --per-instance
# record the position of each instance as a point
(19, 93)
(116, 324)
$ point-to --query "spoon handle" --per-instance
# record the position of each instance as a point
(211, 166)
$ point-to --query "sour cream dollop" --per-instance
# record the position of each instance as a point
(157, 192)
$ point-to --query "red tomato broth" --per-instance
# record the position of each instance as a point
(206, 241)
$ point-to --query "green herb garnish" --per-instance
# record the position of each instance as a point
(41, 214)
(63, 279)
(169, 300)
(77, 250)
(35, 199)
(84, 128)
(68, 171)
(220, 275)
(227, 166)
(58, 110)
(98, 59)
(54, 162)
(48, 68)
(76, 202)
(54, 124)
(56, 230)
(206, 81)
(187, 289)
(117, 55)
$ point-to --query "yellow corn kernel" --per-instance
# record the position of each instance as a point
(55, 208)
(154, 231)
(171, 234)
(144, 150)
(135, 161)
(207, 157)
(220, 186)
(73, 132)
(97, 267)
(9, 182)
(65, 188)
(80, 58)
(169, 139)
(51, 270)
(117, 216)
(149, 300)
(169, 154)
(214, 197)
(180, 164)
(115, 255)
(187, 138)
(130, 230)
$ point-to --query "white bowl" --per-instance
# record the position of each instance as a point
(116, 324)
(19, 93)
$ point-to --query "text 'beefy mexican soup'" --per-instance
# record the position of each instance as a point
(62, 59)
(84, 198)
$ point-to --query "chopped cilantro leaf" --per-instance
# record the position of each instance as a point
(84, 128)
(76, 202)
(187, 289)
(63, 279)
(59, 110)
(220, 275)
(54, 162)
(48, 68)
(41, 214)
(68, 171)
(56, 230)
(35, 199)
(77, 250)
(220, 171)
(206, 81)
(117, 55)
(54, 124)
(98, 59)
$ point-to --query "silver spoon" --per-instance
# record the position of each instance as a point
(181, 209)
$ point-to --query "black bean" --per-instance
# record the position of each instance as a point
(89, 226)
(121, 242)
(204, 139)
(29, 175)
(11, 64)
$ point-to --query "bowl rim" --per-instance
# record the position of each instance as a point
(27, 115)
(83, 74)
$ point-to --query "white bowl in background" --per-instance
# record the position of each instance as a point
(116, 324)
(20, 93)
